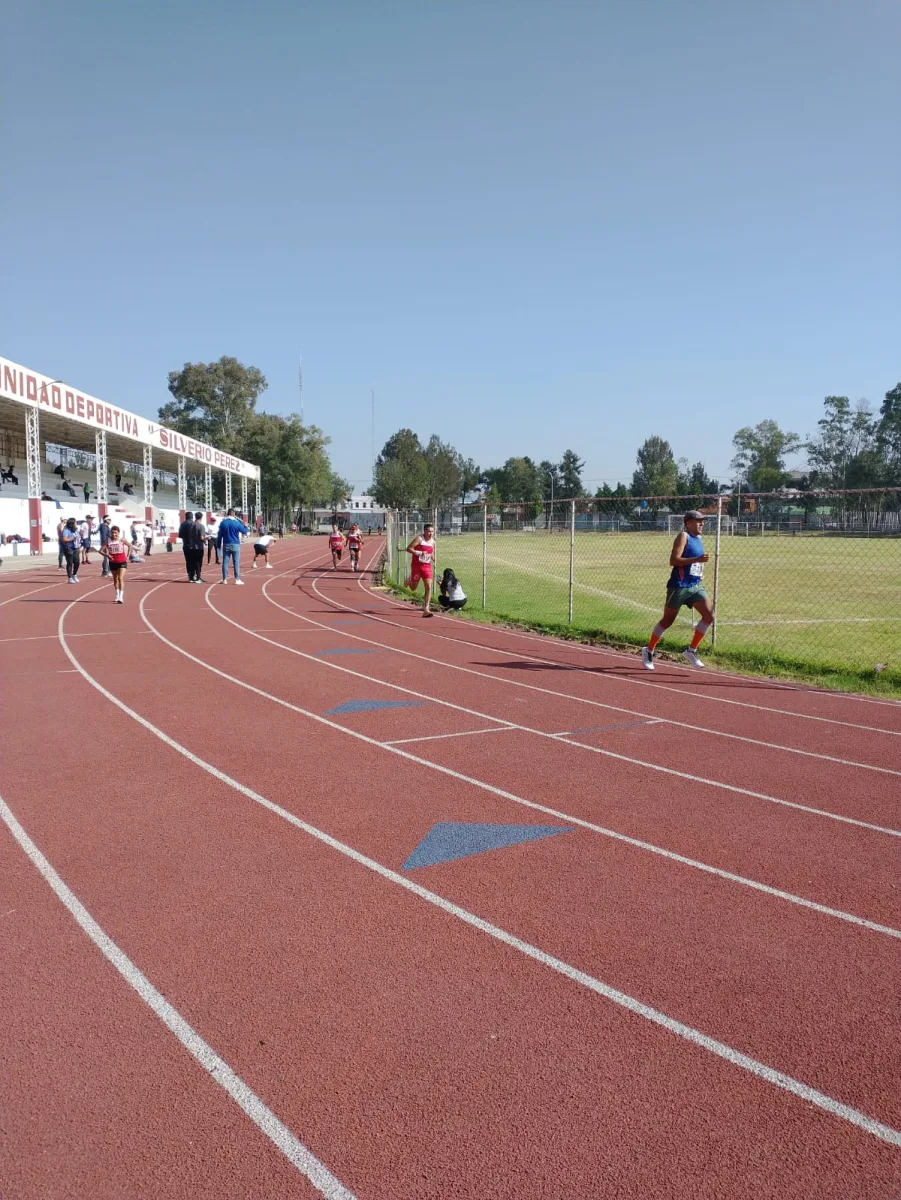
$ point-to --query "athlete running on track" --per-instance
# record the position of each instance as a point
(115, 551)
(422, 550)
(684, 587)
(336, 545)
(355, 545)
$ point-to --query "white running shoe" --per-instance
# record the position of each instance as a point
(268, 566)
(71, 579)
(647, 658)
(254, 565)
(692, 657)
(75, 579)
(239, 582)
(221, 581)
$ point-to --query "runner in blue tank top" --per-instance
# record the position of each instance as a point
(684, 587)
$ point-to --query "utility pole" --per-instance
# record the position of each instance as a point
(372, 436)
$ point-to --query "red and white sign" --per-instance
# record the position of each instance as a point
(41, 392)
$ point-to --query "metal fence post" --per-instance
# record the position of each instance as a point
(484, 553)
(716, 565)
(572, 555)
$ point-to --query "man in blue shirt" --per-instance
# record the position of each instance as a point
(684, 587)
(228, 541)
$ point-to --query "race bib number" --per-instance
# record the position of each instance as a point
(696, 570)
(425, 558)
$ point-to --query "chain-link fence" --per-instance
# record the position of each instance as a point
(810, 581)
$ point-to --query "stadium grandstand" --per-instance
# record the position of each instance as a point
(65, 453)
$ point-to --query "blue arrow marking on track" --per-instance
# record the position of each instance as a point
(355, 706)
(448, 840)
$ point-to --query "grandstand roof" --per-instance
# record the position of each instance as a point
(71, 417)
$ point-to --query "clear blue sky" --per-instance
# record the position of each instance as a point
(527, 225)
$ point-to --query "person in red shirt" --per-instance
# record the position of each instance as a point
(355, 545)
(422, 552)
(115, 551)
(336, 545)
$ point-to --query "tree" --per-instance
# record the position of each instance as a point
(213, 401)
(844, 435)
(339, 490)
(470, 476)
(694, 481)
(442, 473)
(760, 455)
(401, 472)
(292, 457)
(520, 481)
(571, 467)
(657, 473)
(550, 479)
(888, 434)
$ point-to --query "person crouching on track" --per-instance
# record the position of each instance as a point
(422, 551)
(451, 595)
(336, 545)
(115, 552)
(355, 545)
(261, 550)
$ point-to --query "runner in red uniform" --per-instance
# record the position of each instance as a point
(336, 545)
(116, 551)
(422, 550)
(355, 545)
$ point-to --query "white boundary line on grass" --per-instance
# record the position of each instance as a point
(649, 847)
(302, 1159)
(688, 1033)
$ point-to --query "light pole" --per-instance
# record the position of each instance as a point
(550, 524)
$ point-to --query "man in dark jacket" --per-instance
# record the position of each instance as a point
(192, 546)
(103, 532)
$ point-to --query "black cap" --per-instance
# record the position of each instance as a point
(694, 515)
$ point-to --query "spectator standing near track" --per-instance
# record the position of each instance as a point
(115, 561)
(212, 533)
(422, 552)
(187, 533)
(261, 549)
(71, 543)
(684, 587)
(103, 532)
(148, 538)
(228, 541)
(61, 559)
(86, 529)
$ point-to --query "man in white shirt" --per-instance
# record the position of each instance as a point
(84, 532)
(212, 533)
(261, 546)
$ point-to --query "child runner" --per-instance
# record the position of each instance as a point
(422, 550)
(115, 551)
(684, 587)
(355, 545)
(452, 594)
(336, 545)
(261, 550)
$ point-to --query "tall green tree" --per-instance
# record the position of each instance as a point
(442, 473)
(293, 459)
(571, 468)
(844, 435)
(888, 434)
(213, 401)
(694, 481)
(550, 479)
(401, 472)
(657, 473)
(760, 454)
(470, 476)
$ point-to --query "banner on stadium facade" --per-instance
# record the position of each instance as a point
(20, 384)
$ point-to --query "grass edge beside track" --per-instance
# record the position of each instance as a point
(758, 663)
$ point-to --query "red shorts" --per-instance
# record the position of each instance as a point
(420, 571)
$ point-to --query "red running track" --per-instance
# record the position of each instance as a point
(219, 979)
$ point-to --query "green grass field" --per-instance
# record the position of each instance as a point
(802, 605)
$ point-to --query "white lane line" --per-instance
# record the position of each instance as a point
(434, 737)
(216, 1067)
(22, 595)
(557, 664)
(43, 637)
(696, 1037)
(622, 656)
(534, 687)
(556, 737)
(650, 847)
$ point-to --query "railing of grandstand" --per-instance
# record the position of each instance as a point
(806, 580)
